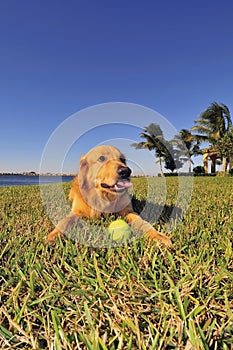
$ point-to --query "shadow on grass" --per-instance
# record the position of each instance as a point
(94, 233)
(153, 212)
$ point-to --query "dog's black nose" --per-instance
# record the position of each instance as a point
(124, 172)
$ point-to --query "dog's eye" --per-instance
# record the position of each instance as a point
(122, 160)
(101, 159)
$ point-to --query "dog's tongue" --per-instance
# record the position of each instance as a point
(124, 183)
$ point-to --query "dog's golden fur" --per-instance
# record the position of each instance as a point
(100, 189)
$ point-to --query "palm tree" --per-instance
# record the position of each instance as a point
(172, 161)
(154, 141)
(187, 146)
(225, 147)
(213, 124)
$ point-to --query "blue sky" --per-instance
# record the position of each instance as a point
(59, 57)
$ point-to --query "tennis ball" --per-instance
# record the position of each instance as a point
(119, 230)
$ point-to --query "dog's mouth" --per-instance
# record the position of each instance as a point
(120, 186)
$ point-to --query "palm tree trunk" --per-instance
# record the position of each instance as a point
(161, 168)
(224, 164)
(213, 163)
(231, 161)
(189, 165)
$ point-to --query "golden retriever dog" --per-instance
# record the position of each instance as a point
(100, 189)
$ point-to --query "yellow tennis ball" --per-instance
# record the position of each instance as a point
(119, 230)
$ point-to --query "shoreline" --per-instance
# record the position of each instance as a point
(35, 179)
(33, 174)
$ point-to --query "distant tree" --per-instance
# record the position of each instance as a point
(213, 124)
(154, 142)
(163, 149)
(171, 158)
(225, 147)
(187, 145)
(172, 163)
(199, 169)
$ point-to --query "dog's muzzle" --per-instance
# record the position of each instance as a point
(123, 182)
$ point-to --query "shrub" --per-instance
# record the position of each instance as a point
(198, 170)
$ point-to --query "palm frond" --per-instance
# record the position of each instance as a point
(201, 129)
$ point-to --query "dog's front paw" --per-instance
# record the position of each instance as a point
(153, 234)
(52, 236)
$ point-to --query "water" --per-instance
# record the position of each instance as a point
(23, 180)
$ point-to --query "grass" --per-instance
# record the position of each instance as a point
(138, 296)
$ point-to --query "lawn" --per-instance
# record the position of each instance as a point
(137, 296)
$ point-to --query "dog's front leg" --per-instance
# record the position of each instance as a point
(146, 228)
(61, 227)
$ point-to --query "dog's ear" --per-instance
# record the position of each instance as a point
(83, 161)
(82, 175)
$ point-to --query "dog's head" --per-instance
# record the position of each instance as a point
(104, 168)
